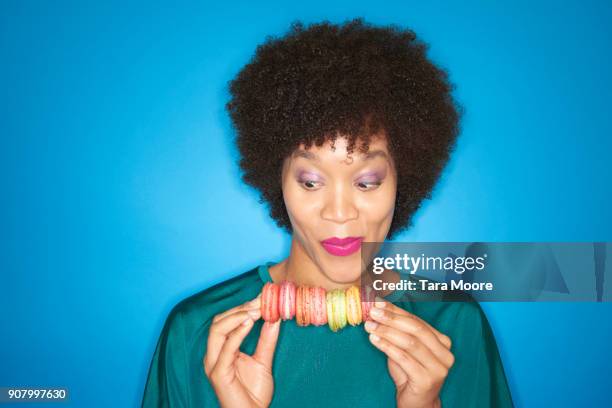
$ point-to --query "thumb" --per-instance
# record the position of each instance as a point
(264, 353)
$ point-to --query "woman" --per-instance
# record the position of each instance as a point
(344, 130)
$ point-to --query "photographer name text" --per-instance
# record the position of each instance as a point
(426, 285)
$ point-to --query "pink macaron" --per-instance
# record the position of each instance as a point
(318, 306)
(367, 301)
(269, 302)
(286, 301)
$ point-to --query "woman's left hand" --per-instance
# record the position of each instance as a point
(419, 356)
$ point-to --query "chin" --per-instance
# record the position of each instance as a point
(344, 269)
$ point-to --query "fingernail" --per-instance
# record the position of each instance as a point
(254, 313)
(376, 312)
(370, 325)
(247, 322)
(374, 338)
(380, 302)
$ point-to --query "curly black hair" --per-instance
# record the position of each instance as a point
(353, 79)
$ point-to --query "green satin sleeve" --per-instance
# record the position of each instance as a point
(167, 383)
(477, 378)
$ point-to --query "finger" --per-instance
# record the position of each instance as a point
(413, 369)
(218, 332)
(264, 353)
(228, 353)
(251, 304)
(443, 338)
(412, 326)
(398, 375)
(411, 345)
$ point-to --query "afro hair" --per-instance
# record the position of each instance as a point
(352, 79)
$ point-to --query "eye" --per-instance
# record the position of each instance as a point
(310, 184)
(368, 185)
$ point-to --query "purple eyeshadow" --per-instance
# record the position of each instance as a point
(372, 177)
(307, 176)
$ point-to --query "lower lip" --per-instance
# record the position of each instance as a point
(345, 250)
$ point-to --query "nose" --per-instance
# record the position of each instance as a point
(339, 206)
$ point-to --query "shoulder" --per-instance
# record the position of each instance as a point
(200, 308)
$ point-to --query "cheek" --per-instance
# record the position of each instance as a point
(301, 205)
(379, 207)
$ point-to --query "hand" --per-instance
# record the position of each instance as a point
(419, 356)
(240, 380)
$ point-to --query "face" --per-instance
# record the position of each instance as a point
(330, 197)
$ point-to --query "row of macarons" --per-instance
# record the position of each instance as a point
(316, 306)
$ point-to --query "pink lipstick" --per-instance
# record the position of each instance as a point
(342, 246)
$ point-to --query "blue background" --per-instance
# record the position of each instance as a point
(121, 195)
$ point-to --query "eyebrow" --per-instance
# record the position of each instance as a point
(364, 156)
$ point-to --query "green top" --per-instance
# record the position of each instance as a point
(315, 367)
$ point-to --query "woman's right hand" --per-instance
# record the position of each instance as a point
(238, 379)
